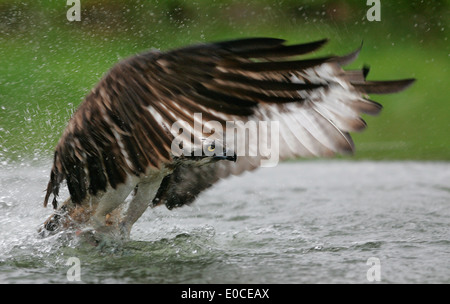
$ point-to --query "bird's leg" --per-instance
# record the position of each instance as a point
(102, 230)
(111, 200)
(141, 200)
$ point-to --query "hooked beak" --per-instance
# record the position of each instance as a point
(227, 157)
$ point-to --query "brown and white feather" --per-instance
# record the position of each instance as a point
(123, 127)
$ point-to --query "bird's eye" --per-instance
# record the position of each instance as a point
(211, 148)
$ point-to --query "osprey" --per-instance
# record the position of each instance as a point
(117, 154)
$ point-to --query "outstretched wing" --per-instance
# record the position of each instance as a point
(124, 126)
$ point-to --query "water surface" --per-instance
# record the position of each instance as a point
(300, 222)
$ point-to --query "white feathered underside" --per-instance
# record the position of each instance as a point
(318, 126)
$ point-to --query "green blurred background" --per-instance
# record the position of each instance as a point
(48, 64)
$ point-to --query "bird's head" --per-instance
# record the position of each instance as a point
(209, 152)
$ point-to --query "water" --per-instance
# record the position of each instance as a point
(300, 222)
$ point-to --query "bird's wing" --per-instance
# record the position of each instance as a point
(188, 181)
(125, 125)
